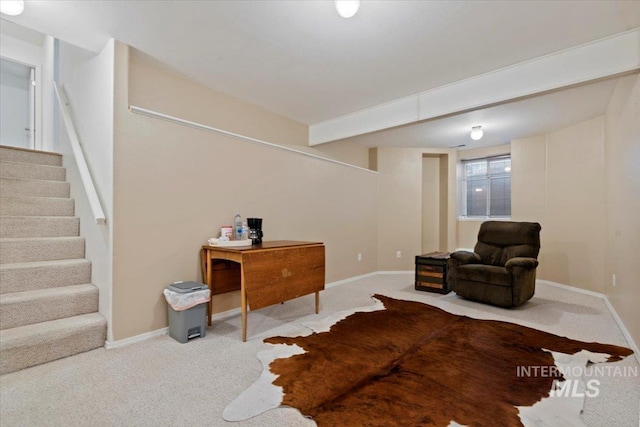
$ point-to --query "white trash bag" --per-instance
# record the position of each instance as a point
(183, 301)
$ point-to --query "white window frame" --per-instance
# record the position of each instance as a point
(463, 188)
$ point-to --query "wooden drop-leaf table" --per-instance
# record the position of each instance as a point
(268, 273)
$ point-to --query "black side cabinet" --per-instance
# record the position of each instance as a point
(431, 272)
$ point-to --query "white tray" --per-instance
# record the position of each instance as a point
(246, 242)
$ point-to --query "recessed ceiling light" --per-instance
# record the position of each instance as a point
(476, 133)
(347, 8)
(12, 7)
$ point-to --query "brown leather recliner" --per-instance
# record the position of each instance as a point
(502, 269)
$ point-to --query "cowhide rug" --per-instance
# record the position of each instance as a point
(409, 363)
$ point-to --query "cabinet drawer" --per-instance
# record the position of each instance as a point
(223, 264)
(429, 285)
(430, 268)
(430, 277)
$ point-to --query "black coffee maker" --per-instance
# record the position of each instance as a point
(255, 230)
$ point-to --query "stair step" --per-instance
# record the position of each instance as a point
(32, 171)
(31, 249)
(25, 308)
(32, 345)
(27, 276)
(20, 187)
(39, 226)
(36, 206)
(22, 155)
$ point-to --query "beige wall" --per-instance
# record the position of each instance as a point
(558, 180)
(174, 186)
(400, 202)
(346, 151)
(478, 153)
(575, 216)
(400, 207)
(529, 179)
(467, 233)
(622, 153)
(154, 86)
(529, 187)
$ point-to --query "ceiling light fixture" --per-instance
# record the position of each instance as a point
(476, 133)
(12, 7)
(347, 8)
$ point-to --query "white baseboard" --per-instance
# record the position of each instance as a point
(572, 288)
(350, 279)
(624, 330)
(612, 310)
(395, 272)
(224, 315)
(110, 345)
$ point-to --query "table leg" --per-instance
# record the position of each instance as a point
(209, 283)
(317, 302)
(243, 298)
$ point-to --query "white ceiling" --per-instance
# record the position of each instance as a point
(300, 59)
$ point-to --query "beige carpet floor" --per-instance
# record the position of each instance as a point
(160, 382)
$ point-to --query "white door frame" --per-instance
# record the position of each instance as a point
(32, 56)
(32, 109)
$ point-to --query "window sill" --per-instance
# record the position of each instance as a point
(482, 218)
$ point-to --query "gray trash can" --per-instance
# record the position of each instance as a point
(190, 323)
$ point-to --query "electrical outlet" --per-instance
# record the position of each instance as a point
(359, 257)
(613, 280)
(398, 254)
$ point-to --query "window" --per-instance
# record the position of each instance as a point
(487, 187)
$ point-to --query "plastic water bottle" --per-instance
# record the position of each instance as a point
(237, 229)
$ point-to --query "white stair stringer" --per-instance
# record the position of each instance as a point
(48, 306)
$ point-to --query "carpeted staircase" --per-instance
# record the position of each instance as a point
(48, 306)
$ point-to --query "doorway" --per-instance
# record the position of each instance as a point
(17, 104)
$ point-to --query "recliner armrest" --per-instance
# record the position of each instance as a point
(524, 262)
(466, 257)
